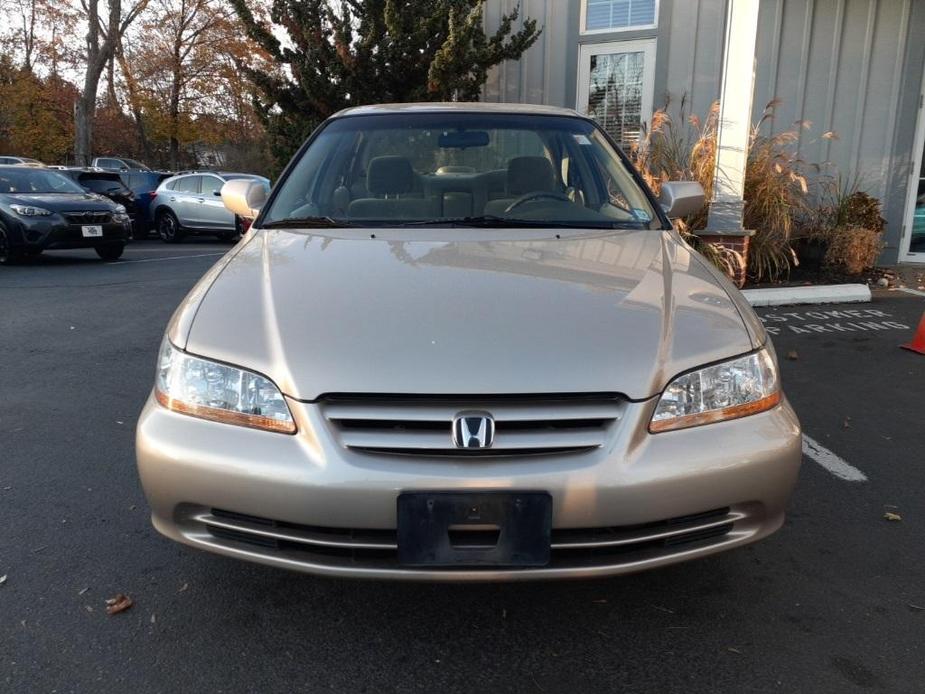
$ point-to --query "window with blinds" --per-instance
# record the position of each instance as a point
(616, 84)
(616, 15)
(615, 99)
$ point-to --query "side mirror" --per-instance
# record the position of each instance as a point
(217, 193)
(244, 197)
(681, 198)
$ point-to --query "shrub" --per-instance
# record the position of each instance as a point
(842, 204)
(776, 190)
(853, 249)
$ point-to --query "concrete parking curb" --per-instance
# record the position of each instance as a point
(821, 294)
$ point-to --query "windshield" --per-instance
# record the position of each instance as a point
(36, 181)
(132, 164)
(442, 168)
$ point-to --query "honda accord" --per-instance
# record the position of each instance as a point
(464, 342)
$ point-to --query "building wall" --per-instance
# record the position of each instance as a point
(853, 67)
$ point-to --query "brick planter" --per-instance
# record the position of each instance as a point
(735, 241)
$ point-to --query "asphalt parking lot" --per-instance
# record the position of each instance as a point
(834, 602)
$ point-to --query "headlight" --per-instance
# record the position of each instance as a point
(737, 388)
(120, 209)
(219, 392)
(30, 211)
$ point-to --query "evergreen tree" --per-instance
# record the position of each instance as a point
(352, 52)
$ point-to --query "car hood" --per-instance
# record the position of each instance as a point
(61, 202)
(619, 312)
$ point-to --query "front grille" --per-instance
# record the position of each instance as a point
(422, 426)
(570, 548)
(89, 217)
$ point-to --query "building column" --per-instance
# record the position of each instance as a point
(724, 223)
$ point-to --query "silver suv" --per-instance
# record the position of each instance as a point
(191, 203)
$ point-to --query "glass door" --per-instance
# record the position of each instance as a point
(615, 85)
(913, 242)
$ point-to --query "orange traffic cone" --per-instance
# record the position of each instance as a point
(918, 340)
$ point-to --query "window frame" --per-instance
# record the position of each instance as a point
(646, 46)
(583, 23)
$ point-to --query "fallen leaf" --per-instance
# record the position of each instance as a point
(2, 579)
(916, 607)
(847, 423)
(890, 516)
(734, 650)
(83, 590)
(183, 587)
(792, 355)
(153, 618)
(39, 549)
(118, 604)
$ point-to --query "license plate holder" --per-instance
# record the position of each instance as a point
(474, 529)
(91, 231)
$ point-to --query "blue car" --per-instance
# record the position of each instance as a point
(144, 185)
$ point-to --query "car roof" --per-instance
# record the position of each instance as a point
(458, 107)
(21, 167)
(207, 172)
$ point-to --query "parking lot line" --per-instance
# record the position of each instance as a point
(830, 461)
(911, 291)
(173, 257)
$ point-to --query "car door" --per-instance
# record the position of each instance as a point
(213, 211)
(184, 201)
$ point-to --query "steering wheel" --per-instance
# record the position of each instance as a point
(536, 195)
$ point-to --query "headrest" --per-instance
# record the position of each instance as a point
(389, 176)
(444, 170)
(529, 174)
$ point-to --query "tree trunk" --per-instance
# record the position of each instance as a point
(174, 115)
(134, 103)
(84, 111)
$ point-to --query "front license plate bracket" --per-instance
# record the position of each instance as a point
(478, 529)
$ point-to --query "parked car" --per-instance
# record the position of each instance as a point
(144, 185)
(41, 210)
(108, 184)
(118, 164)
(12, 161)
(464, 342)
(191, 203)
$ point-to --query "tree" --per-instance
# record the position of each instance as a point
(371, 51)
(103, 35)
(34, 112)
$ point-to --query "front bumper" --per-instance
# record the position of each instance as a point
(305, 502)
(57, 234)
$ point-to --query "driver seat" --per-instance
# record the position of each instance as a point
(524, 175)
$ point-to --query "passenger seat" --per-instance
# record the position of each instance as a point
(388, 178)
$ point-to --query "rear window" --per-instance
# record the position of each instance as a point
(102, 184)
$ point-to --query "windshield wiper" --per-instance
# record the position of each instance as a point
(495, 221)
(307, 222)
